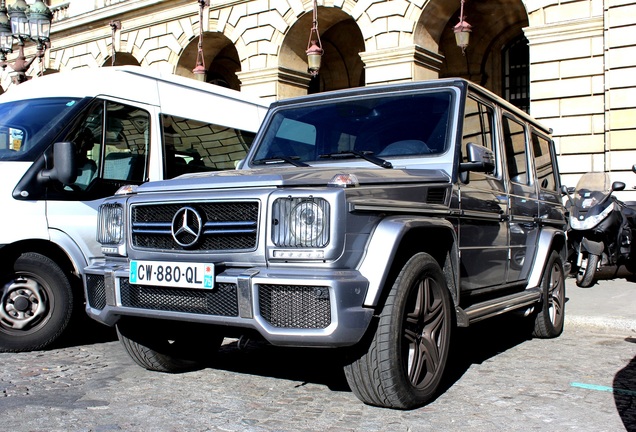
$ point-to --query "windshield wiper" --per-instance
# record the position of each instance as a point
(366, 155)
(292, 160)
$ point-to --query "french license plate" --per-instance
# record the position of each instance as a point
(182, 275)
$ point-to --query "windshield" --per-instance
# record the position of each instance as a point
(28, 125)
(372, 128)
(592, 189)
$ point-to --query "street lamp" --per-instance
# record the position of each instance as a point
(462, 30)
(314, 46)
(27, 23)
(199, 70)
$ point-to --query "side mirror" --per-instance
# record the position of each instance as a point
(480, 159)
(64, 164)
(618, 186)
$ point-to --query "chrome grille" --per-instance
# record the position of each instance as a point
(221, 301)
(224, 226)
(302, 307)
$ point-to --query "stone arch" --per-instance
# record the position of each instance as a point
(495, 23)
(220, 56)
(342, 41)
(121, 59)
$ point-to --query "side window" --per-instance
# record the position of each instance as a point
(543, 163)
(515, 144)
(193, 146)
(126, 144)
(87, 137)
(478, 121)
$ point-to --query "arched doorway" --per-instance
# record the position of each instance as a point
(342, 41)
(495, 26)
(121, 59)
(221, 60)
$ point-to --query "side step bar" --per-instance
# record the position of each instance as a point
(490, 308)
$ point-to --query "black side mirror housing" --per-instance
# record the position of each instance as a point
(480, 159)
(64, 167)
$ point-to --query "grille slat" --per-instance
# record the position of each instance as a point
(225, 226)
(221, 301)
(295, 306)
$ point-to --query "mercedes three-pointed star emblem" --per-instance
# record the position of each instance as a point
(186, 226)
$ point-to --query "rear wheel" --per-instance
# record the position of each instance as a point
(164, 347)
(587, 270)
(551, 317)
(36, 304)
(403, 364)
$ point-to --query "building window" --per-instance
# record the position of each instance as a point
(516, 73)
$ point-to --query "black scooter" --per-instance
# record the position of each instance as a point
(601, 228)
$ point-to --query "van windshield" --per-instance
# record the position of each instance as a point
(28, 126)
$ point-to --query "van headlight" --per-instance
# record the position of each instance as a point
(300, 222)
(110, 224)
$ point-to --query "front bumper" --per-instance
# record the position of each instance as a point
(293, 307)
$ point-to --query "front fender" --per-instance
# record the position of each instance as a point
(383, 247)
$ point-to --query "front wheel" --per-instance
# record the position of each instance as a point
(551, 317)
(585, 275)
(404, 362)
(36, 304)
(165, 347)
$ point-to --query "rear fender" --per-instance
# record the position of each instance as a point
(549, 239)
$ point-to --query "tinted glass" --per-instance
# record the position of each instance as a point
(386, 126)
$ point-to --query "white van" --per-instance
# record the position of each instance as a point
(69, 140)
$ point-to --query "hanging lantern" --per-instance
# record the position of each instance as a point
(462, 30)
(314, 46)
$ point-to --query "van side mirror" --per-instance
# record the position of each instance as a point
(480, 159)
(64, 164)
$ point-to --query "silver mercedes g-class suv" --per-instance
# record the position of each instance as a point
(372, 219)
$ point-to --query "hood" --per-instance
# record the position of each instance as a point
(293, 177)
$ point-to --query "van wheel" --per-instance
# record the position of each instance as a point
(403, 364)
(159, 347)
(585, 275)
(550, 318)
(36, 304)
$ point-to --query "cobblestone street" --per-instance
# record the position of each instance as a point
(582, 381)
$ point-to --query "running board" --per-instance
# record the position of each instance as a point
(490, 308)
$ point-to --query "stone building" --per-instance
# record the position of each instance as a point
(570, 63)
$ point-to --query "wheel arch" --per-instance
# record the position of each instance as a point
(550, 239)
(395, 240)
(67, 261)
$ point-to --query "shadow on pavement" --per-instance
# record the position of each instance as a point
(84, 331)
(624, 388)
(470, 346)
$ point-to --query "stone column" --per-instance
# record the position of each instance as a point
(274, 83)
(401, 64)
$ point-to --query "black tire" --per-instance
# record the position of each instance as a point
(36, 304)
(403, 364)
(550, 319)
(162, 347)
(585, 276)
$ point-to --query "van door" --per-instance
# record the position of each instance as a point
(524, 205)
(112, 141)
(483, 225)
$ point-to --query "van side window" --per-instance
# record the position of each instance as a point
(127, 139)
(478, 121)
(543, 163)
(515, 144)
(193, 146)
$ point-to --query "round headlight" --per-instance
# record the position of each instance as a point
(307, 222)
